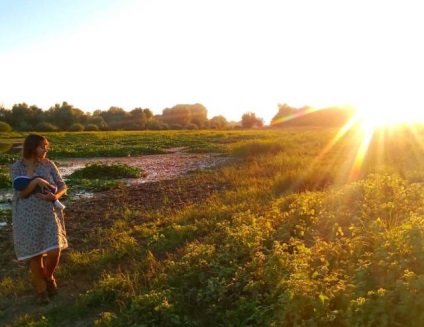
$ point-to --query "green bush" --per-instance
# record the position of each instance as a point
(46, 127)
(5, 127)
(5, 147)
(191, 126)
(76, 127)
(5, 181)
(107, 171)
(91, 128)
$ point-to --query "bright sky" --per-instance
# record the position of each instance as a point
(232, 56)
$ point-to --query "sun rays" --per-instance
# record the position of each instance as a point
(375, 140)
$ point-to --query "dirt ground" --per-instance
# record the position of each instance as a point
(166, 186)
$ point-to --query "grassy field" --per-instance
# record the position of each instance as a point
(308, 227)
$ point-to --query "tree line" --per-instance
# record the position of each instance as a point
(288, 116)
(65, 117)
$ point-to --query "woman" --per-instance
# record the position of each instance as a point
(38, 227)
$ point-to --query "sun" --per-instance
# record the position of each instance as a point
(382, 114)
(371, 124)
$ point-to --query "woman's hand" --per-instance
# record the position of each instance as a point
(49, 196)
(43, 184)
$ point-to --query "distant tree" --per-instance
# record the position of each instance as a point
(249, 119)
(116, 118)
(64, 115)
(285, 113)
(218, 122)
(23, 116)
(140, 117)
(5, 115)
(149, 114)
(5, 127)
(199, 114)
(306, 116)
(179, 114)
(182, 114)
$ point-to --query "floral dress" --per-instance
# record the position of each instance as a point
(38, 226)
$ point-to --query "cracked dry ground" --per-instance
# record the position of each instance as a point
(83, 219)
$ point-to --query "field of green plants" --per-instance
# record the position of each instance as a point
(307, 227)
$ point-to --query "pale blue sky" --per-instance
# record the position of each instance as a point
(232, 56)
(26, 22)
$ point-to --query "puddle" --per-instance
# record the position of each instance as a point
(5, 205)
(81, 195)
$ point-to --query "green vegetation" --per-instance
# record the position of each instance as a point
(100, 177)
(123, 144)
(297, 233)
(5, 181)
(106, 171)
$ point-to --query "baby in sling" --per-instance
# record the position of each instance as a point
(21, 182)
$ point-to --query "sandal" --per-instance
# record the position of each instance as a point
(43, 298)
(51, 287)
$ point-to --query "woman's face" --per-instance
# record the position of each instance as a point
(42, 150)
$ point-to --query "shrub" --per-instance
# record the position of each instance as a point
(23, 126)
(191, 126)
(91, 128)
(134, 127)
(156, 126)
(46, 127)
(176, 126)
(5, 181)
(107, 171)
(5, 147)
(5, 127)
(76, 127)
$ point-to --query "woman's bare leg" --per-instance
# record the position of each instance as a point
(37, 270)
(51, 263)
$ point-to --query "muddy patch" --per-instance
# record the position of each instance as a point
(155, 167)
(174, 164)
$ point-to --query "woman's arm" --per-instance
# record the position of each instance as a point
(58, 180)
(49, 196)
(38, 181)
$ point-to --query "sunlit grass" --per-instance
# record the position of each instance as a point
(291, 238)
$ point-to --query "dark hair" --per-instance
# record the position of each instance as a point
(31, 143)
